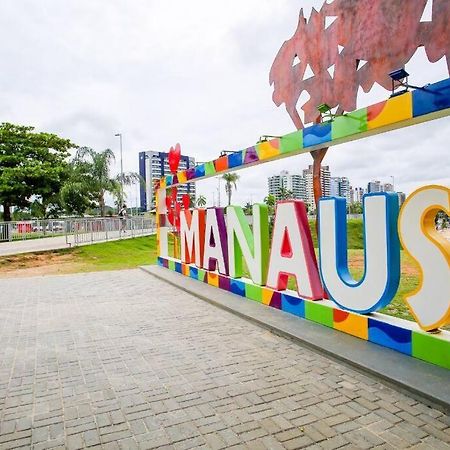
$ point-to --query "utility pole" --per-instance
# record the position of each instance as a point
(121, 170)
(218, 191)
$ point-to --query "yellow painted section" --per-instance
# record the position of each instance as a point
(213, 279)
(185, 269)
(162, 182)
(395, 109)
(268, 149)
(355, 325)
(182, 177)
(266, 296)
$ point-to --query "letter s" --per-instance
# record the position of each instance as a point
(430, 302)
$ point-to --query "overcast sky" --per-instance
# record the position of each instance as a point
(194, 72)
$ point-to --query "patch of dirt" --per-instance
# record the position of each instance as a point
(37, 264)
(408, 267)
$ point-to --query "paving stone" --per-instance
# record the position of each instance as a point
(120, 360)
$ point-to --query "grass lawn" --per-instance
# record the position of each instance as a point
(114, 255)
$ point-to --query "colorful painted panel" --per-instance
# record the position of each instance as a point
(397, 112)
(391, 333)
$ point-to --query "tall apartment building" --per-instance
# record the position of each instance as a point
(340, 187)
(290, 182)
(387, 187)
(374, 186)
(324, 180)
(358, 193)
(153, 166)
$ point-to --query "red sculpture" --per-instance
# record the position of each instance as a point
(366, 40)
(173, 206)
(350, 44)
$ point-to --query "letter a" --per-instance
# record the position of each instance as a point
(292, 251)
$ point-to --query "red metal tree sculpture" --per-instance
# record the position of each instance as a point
(350, 44)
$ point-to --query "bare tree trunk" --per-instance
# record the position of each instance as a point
(101, 203)
(228, 189)
(6, 212)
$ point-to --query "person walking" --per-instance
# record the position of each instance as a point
(123, 215)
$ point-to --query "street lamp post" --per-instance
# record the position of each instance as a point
(121, 169)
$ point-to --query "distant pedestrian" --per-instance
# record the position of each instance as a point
(123, 214)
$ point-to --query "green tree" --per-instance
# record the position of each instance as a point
(96, 174)
(201, 201)
(355, 208)
(248, 209)
(75, 199)
(230, 181)
(286, 194)
(32, 167)
(270, 201)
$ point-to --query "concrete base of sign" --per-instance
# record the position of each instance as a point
(422, 380)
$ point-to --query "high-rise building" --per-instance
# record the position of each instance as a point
(289, 182)
(374, 186)
(401, 198)
(340, 187)
(334, 186)
(153, 166)
(358, 194)
(387, 187)
(324, 181)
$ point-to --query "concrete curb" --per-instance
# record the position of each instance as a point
(423, 381)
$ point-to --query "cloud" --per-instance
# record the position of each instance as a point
(190, 72)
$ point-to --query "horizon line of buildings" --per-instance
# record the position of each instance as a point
(301, 186)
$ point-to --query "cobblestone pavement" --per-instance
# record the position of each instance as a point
(119, 360)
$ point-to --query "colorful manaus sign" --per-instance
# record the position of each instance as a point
(221, 240)
(214, 243)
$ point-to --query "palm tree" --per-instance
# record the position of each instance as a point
(270, 201)
(231, 180)
(248, 208)
(286, 194)
(201, 201)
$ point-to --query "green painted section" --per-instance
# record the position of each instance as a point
(319, 313)
(209, 168)
(171, 265)
(201, 275)
(253, 292)
(352, 123)
(291, 142)
(431, 348)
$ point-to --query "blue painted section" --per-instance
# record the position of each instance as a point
(235, 159)
(142, 173)
(169, 179)
(237, 287)
(435, 97)
(293, 305)
(178, 267)
(392, 249)
(160, 261)
(200, 171)
(316, 134)
(390, 336)
(193, 272)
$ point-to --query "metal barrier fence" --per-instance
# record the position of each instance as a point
(93, 230)
(76, 231)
